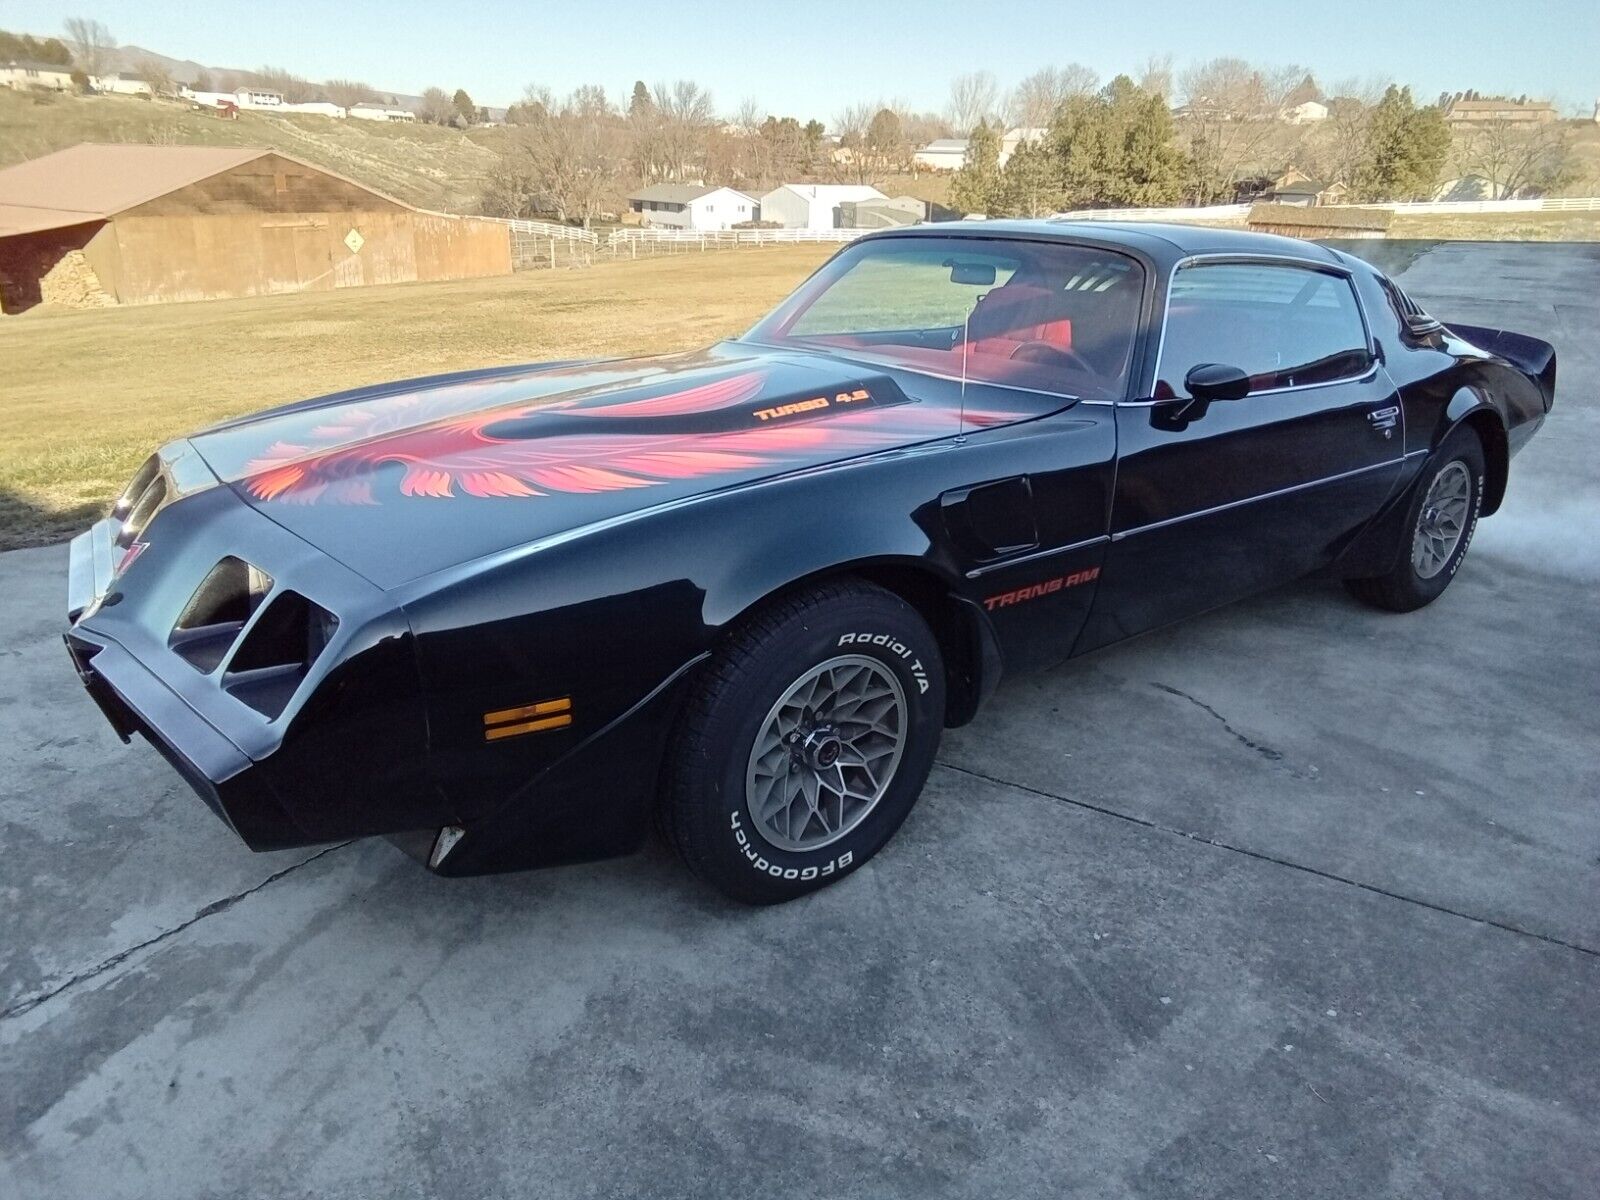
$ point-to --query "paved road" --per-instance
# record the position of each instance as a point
(1295, 900)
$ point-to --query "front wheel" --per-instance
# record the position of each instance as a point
(1439, 527)
(806, 742)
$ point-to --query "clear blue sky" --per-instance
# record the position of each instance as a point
(812, 57)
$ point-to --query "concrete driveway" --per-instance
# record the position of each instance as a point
(1297, 899)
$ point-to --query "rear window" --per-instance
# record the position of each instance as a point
(1047, 317)
(1282, 325)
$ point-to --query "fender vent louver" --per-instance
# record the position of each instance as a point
(145, 495)
(278, 651)
(227, 597)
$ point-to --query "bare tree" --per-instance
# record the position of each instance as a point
(1035, 101)
(1519, 157)
(1155, 76)
(347, 92)
(292, 87)
(685, 117)
(1231, 110)
(1349, 116)
(568, 160)
(91, 44)
(155, 73)
(436, 108)
(974, 97)
(851, 122)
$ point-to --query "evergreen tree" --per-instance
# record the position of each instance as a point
(466, 110)
(1115, 149)
(975, 188)
(641, 105)
(1029, 183)
(1406, 148)
(1152, 167)
(886, 140)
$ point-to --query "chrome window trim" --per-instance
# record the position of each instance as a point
(1370, 374)
(1150, 278)
(1260, 258)
(1286, 491)
(1035, 555)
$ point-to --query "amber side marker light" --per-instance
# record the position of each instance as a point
(530, 718)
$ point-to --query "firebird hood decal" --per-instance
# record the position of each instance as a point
(403, 482)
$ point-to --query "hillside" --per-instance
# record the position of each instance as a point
(426, 165)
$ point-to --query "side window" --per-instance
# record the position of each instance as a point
(1282, 325)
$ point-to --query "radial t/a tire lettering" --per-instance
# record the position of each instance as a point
(805, 742)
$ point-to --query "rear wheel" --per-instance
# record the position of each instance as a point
(806, 742)
(1439, 527)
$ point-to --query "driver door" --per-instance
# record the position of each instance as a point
(1214, 501)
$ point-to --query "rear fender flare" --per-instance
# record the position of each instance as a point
(1469, 407)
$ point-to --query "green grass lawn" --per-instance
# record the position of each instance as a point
(85, 396)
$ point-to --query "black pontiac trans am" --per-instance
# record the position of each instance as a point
(512, 617)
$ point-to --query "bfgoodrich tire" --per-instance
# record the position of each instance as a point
(805, 742)
(1438, 528)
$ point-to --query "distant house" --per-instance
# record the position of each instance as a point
(367, 111)
(693, 206)
(123, 83)
(948, 154)
(247, 97)
(813, 205)
(1467, 187)
(23, 76)
(1023, 135)
(261, 101)
(942, 154)
(1294, 187)
(1305, 113)
(317, 108)
(1486, 112)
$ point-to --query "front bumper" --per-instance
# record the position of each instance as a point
(338, 750)
(134, 700)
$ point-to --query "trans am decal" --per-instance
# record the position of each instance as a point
(587, 446)
(1045, 587)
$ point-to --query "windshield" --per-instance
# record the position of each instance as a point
(1045, 316)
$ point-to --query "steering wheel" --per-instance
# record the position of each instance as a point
(1049, 353)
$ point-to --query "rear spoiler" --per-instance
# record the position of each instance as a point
(1534, 358)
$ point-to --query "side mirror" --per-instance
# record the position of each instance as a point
(1216, 381)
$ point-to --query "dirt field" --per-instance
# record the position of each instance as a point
(84, 396)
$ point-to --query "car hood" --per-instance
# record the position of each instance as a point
(401, 480)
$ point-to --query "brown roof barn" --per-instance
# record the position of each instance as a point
(96, 224)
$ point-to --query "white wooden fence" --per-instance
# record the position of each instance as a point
(545, 243)
(629, 241)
